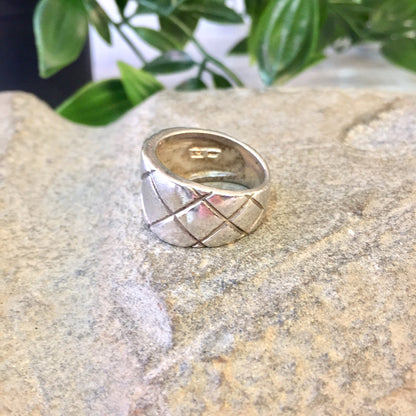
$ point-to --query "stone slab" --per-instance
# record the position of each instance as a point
(313, 314)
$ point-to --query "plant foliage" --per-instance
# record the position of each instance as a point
(284, 38)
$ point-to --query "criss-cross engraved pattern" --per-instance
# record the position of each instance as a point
(215, 223)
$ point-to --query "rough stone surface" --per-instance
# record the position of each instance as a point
(313, 314)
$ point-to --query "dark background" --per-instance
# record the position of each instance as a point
(18, 60)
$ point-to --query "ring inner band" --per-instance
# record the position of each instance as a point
(210, 159)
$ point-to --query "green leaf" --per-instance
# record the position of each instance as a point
(211, 10)
(171, 61)
(137, 83)
(168, 27)
(336, 28)
(220, 81)
(99, 19)
(191, 84)
(121, 5)
(299, 65)
(240, 48)
(158, 40)
(345, 20)
(97, 103)
(288, 31)
(160, 7)
(255, 8)
(392, 16)
(61, 29)
(142, 9)
(401, 52)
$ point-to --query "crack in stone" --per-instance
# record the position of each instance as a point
(367, 118)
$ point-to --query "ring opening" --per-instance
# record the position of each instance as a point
(211, 160)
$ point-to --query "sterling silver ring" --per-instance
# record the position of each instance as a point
(202, 188)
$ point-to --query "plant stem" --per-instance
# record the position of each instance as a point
(212, 72)
(202, 68)
(219, 64)
(208, 56)
(118, 26)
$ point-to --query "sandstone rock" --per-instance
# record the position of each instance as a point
(313, 314)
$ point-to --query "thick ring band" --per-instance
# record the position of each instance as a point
(202, 188)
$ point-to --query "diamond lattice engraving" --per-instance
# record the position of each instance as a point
(210, 226)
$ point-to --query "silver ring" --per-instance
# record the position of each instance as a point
(202, 188)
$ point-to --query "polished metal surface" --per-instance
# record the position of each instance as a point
(202, 188)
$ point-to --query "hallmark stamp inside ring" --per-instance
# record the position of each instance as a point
(202, 188)
(204, 152)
